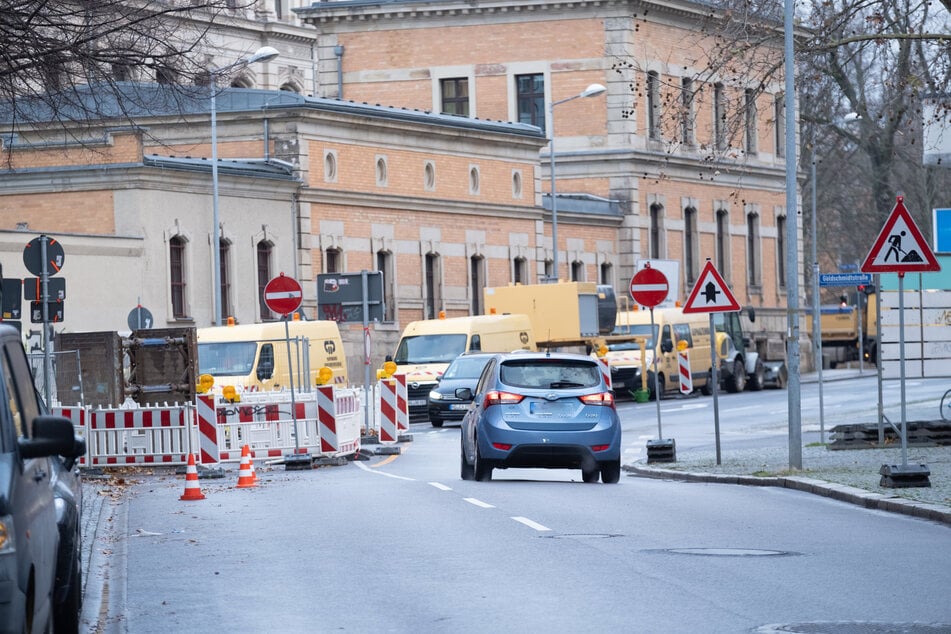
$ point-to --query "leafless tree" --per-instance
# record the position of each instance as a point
(70, 62)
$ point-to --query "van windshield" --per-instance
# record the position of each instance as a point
(640, 330)
(231, 358)
(430, 349)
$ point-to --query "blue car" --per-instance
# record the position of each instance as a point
(549, 410)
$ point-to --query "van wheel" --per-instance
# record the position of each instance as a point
(707, 388)
(436, 422)
(737, 381)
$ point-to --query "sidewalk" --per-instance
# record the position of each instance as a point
(849, 475)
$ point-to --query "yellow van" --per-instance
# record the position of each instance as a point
(671, 325)
(427, 347)
(254, 356)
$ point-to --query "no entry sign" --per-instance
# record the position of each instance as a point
(283, 295)
(649, 287)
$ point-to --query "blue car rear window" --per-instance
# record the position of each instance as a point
(550, 374)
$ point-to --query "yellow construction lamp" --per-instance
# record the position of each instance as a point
(230, 394)
(324, 375)
(389, 369)
(682, 345)
(602, 350)
(205, 383)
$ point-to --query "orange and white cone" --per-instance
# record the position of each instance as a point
(245, 477)
(192, 490)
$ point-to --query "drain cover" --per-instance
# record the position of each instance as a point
(727, 552)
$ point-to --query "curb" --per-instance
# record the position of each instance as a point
(842, 493)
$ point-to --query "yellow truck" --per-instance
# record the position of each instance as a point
(427, 347)
(254, 356)
(847, 330)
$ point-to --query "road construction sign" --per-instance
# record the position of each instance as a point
(900, 247)
(710, 294)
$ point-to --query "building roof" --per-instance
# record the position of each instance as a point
(137, 101)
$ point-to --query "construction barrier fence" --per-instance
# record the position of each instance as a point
(326, 422)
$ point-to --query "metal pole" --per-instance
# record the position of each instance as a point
(44, 301)
(364, 279)
(793, 392)
(878, 358)
(554, 198)
(216, 226)
(290, 377)
(816, 309)
(656, 363)
(901, 356)
(714, 377)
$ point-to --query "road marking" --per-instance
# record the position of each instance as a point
(440, 486)
(385, 461)
(479, 503)
(382, 473)
(645, 436)
(531, 524)
(685, 407)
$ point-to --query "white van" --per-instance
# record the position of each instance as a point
(254, 356)
(427, 347)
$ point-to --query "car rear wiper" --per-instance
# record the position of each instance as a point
(558, 384)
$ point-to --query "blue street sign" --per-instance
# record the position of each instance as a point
(844, 279)
(849, 266)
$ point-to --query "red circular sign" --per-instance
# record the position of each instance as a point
(649, 287)
(283, 295)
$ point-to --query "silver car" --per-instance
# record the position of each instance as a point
(549, 410)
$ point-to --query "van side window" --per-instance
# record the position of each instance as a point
(475, 343)
(682, 332)
(666, 343)
(266, 362)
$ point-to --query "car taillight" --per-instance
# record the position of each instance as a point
(601, 398)
(501, 398)
(502, 446)
(597, 448)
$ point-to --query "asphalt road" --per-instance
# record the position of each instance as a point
(401, 544)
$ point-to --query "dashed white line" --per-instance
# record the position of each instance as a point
(531, 524)
(440, 486)
(479, 503)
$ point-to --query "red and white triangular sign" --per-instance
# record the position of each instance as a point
(710, 294)
(900, 247)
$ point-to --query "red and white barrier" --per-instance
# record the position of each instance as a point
(402, 403)
(388, 430)
(686, 380)
(140, 435)
(605, 371)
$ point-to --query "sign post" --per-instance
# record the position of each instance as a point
(283, 296)
(649, 287)
(900, 248)
(716, 298)
(44, 257)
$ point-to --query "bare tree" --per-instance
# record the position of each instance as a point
(70, 62)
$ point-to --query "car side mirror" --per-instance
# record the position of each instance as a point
(667, 345)
(464, 393)
(751, 313)
(52, 436)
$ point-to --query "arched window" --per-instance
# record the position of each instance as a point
(264, 251)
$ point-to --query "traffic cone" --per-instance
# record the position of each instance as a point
(192, 491)
(245, 477)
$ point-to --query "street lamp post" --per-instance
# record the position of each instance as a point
(263, 54)
(591, 91)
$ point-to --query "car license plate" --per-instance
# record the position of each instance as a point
(459, 406)
(417, 402)
(545, 408)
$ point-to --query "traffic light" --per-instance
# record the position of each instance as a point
(868, 289)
